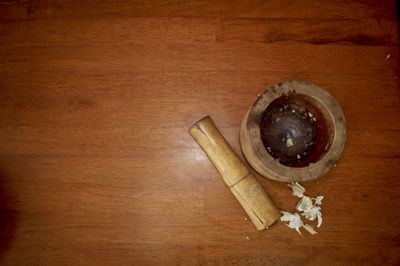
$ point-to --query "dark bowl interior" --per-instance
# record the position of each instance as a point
(296, 130)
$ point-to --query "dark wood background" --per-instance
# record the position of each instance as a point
(97, 167)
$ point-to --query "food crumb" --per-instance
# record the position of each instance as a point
(387, 57)
(289, 142)
(298, 156)
(245, 218)
(248, 238)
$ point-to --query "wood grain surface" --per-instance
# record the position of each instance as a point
(96, 97)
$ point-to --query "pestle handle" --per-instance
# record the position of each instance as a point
(244, 186)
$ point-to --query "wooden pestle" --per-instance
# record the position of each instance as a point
(235, 174)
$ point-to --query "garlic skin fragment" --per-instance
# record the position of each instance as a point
(297, 189)
(318, 200)
(294, 220)
(319, 217)
(310, 229)
(312, 213)
(304, 204)
(309, 210)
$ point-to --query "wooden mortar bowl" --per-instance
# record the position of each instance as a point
(295, 131)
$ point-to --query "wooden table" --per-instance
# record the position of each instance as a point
(97, 167)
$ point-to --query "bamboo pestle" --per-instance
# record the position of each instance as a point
(244, 186)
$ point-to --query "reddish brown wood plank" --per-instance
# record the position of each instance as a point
(36, 9)
(316, 31)
(97, 167)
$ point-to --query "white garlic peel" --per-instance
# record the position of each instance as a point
(304, 204)
(294, 220)
(318, 200)
(319, 218)
(297, 189)
(309, 208)
(312, 213)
